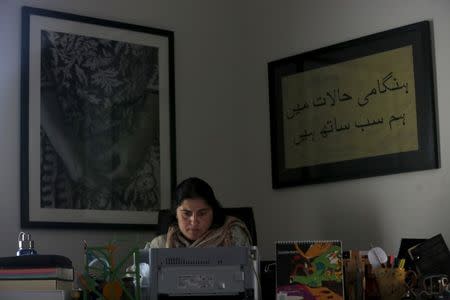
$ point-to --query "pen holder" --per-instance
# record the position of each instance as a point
(391, 283)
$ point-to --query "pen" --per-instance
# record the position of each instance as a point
(401, 264)
(391, 261)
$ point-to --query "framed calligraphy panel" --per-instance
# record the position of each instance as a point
(361, 108)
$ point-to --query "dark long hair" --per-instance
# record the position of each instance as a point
(194, 187)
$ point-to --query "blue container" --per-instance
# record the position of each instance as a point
(26, 245)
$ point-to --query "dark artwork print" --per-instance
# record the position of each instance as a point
(99, 124)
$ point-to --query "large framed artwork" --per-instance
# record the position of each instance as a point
(361, 108)
(97, 122)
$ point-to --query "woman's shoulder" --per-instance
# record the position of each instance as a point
(239, 235)
(157, 242)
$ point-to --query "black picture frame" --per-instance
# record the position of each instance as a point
(97, 122)
(310, 73)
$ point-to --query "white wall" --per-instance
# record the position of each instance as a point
(377, 210)
(222, 118)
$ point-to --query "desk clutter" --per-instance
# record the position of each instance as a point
(303, 270)
(419, 271)
(32, 276)
(310, 270)
(48, 275)
(385, 279)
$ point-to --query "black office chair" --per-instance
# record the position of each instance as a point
(165, 218)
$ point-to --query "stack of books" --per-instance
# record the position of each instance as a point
(36, 273)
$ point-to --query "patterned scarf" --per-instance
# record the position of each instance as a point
(212, 238)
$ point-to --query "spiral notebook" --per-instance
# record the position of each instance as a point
(309, 269)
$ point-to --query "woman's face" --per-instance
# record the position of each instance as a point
(194, 217)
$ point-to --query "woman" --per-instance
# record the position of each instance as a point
(200, 220)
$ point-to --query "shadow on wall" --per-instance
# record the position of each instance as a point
(357, 224)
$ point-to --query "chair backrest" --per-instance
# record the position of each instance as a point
(165, 218)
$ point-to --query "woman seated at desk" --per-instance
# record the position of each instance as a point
(200, 220)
